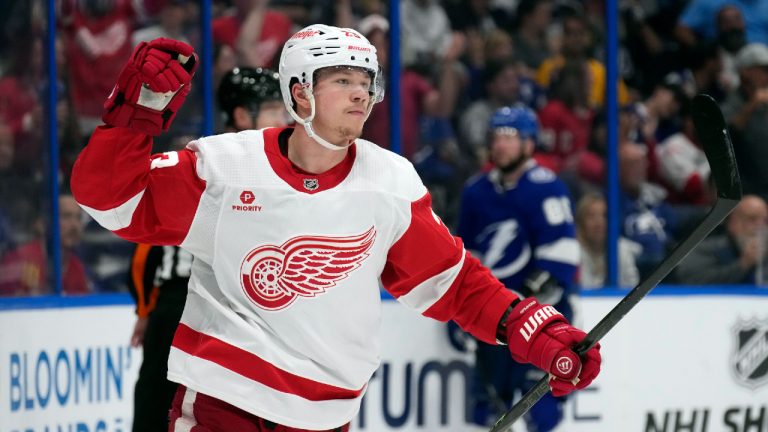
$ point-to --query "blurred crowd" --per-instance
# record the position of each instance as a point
(461, 60)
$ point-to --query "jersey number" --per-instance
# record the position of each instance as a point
(165, 160)
(557, 210)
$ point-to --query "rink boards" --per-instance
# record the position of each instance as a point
(694, 362)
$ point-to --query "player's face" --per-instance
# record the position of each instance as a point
(271, 114)
(341, 102)
(508, 151)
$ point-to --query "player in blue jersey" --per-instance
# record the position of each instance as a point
(517, 220)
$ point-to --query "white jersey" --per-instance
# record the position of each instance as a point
(283, 309)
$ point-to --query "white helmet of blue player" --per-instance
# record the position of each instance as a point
(320, 46)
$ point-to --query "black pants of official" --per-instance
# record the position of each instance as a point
(154, 393)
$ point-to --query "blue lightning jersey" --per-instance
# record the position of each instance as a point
(518, 228)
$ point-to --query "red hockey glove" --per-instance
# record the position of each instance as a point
(152, 86)
(540, 335)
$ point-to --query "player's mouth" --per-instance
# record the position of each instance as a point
(356, 112)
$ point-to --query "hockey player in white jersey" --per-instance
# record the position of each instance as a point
(292, 229)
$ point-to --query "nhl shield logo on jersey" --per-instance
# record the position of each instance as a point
(311, 184)
(750, 357)
(304, 266)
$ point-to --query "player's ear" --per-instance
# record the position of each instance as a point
(300, 97)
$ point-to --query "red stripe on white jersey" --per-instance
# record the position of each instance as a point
(444, 282)
(141, 198)
(408, 264)
(254, 367)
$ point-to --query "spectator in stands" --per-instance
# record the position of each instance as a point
(704, 63)
(643, 34)
(731, 37)
(96, 34)
(224, 60)
(501, 84)
(426, 31)
(18, 193)
(477, 16)
(530, 38)
(418, 97)
(658, 114)
(566, 123)
(577, 46)
(20, 107)
(682, 165)
(733, 256)
(698, 21)
(171, 24)
(486, 53)
(243, 29)
(646, 218)
(591, 227)
(747, 114)
(24, 271)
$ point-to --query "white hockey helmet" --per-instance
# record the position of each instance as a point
(320, 46)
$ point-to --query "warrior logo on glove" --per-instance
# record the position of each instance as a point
(540, 335)
(564, 365)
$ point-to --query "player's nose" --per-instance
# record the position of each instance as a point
(360, 93)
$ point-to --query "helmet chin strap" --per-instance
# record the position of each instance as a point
(307, 123)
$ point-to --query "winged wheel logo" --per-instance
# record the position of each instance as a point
(273, 277)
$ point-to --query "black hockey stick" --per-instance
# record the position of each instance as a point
(713, 135)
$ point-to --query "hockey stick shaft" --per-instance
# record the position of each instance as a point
(712, 133)
(713, 218)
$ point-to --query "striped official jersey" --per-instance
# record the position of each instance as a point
(521, 227)
(155, 269)
(283, 309)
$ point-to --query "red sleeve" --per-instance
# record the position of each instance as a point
(429, 270)
(141, 197)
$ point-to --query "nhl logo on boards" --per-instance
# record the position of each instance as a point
(749, 361)
(311, 184)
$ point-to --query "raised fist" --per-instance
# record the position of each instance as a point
(152, 86)
(540, 335)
